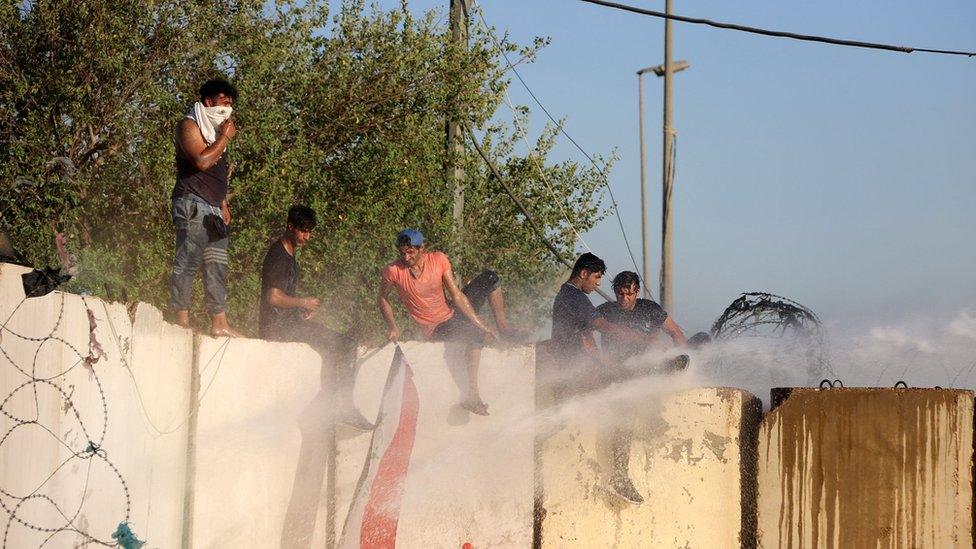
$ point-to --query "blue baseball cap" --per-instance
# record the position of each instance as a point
(410, 237)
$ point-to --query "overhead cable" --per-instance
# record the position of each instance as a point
(559, 126)
(518, 204)
(779, 34)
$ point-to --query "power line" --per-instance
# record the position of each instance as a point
(779, 34)
(518, 203)
(601, 169)
(542, 174)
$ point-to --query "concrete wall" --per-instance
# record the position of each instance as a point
(470, 477)
(689, 460)
(138, 470)
(251, 464)
(261, 446)
(867, 468)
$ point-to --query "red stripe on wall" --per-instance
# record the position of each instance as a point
(382, 511)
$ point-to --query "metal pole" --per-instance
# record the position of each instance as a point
(645, 233)
(455, 171)
(666, 301)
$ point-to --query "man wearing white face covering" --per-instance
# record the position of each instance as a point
(200, 212)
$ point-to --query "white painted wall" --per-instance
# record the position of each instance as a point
(261, 447)
(470, 477)
(261, 407)
(88, 491)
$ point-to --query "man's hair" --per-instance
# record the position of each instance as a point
(589, 263)
(217, 86)
(301, 217)
(626, 279)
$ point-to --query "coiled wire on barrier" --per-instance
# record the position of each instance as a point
(90, 450)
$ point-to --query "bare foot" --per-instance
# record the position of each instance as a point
(183, 319)
(225, 332)
(219, 327)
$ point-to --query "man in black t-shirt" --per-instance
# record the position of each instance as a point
(641, 315)
(649, 319)
(286, 317)
(574, 319)
(573, 313)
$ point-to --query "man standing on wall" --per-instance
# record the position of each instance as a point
(421, 278)
(286, 317)
(200, 212)
(645, 317)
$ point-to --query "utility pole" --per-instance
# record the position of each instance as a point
(659, 70)
(666, 265)
(646, 252)
(453, 143)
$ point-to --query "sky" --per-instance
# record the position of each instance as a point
(843, 178)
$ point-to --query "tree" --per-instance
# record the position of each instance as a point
(345, 114)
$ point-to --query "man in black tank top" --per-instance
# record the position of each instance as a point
(200, 212)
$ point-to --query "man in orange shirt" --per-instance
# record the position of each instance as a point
(422, 278)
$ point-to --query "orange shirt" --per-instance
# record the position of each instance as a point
(423, 295)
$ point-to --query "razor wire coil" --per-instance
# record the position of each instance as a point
(93, 450)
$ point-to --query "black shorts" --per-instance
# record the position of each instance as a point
(458, 327)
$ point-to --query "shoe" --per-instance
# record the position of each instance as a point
(623, 488)
(355, 420)
(676, 364)
(475, 407)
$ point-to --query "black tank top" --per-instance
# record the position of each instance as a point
(209, 184)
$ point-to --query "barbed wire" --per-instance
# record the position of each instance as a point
(92, 451)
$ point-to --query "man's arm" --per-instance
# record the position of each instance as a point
(278, 298)
(604, 326)
(225, 211)
(673, 330)
(462, 303)
(382, 301)
(191, 146)
(593, 350)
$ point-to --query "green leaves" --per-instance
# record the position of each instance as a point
(345, 113)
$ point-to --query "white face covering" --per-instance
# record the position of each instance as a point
(217, 115)
(209, 119)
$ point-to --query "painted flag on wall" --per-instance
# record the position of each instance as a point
(375, 509)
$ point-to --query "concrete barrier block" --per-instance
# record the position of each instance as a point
(159, 416)
(867, 467)
(261, 445)
(470, 478)
(690, 459)
(106, 464)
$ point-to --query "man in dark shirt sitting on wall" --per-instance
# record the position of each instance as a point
(649, 319)
(287, 317)
(644, 316)
(574, 319)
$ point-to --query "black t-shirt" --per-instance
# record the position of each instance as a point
(572, 313)
(647, 317)
(209, 184)
(280, 271)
